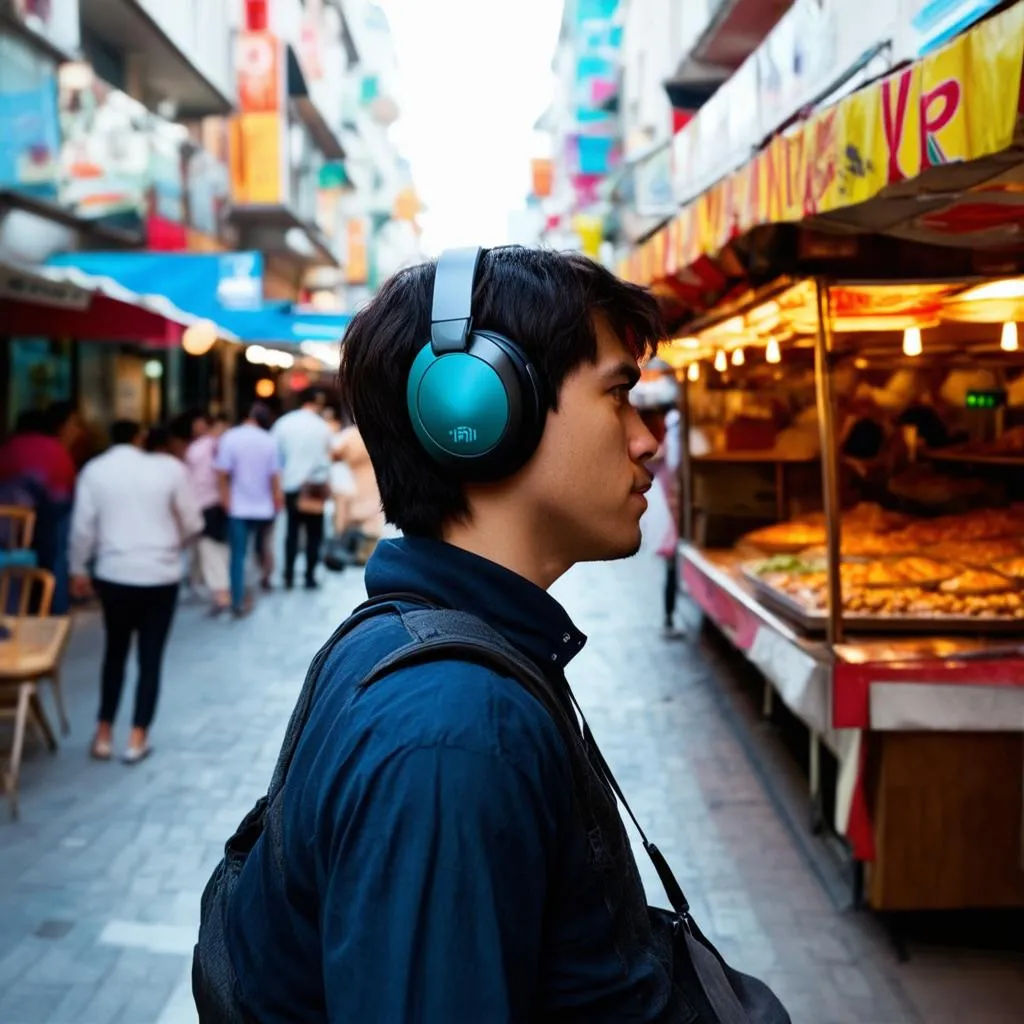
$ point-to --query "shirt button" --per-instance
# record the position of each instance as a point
(554, 657)
(566, 638)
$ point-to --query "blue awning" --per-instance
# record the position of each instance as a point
(226, 288)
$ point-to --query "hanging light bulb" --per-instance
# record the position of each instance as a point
(738, 358)
(771, 352)
(720, 361)
(693, 372)
(1008, 342)
(912, 342)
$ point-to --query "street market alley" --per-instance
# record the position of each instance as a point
(100, 879)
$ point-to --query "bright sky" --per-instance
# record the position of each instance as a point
(475, 76)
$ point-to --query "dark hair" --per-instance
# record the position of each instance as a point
(182, 427)
(310, 396)
(544, 300)
(865, 439)
(158, 438)
(32, 421)
(124, 431)
(261, 415)
(58, 414)
(933, 431)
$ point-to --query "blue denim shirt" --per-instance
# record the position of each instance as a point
(435, 866)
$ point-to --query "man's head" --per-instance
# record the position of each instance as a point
(261, 416)
(126, 432)
(584, 332)
(312, 398)
(64, 423)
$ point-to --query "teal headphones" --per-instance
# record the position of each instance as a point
(474, 397)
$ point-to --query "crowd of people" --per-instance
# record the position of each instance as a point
(194, 500)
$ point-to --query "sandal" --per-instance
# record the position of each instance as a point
(101, 750)
(133, 755)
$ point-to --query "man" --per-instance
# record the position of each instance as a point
(433, 865)
(303, 438)
(250, 484)
(37, 468)
(133, 514)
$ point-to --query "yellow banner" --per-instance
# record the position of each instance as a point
(957, 104)
(256, 141)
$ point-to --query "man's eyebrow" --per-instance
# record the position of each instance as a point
(625, 371)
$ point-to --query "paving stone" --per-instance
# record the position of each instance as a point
(122, 855)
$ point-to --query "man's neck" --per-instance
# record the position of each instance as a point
(507, 540)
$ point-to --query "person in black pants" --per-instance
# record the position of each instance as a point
(312, 526)
(303, 438)
(145, 612)
(134, 513)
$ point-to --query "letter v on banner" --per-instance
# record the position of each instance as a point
(894, 122)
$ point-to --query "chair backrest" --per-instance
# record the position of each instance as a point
(17, 526)
(17, 586)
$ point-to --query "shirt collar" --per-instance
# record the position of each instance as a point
(527, 616)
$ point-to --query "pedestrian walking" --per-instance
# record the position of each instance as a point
(205, 433)
(364, 517)
(37, 470)
(250, 485)
(304, 439)
(441, 841)
(133, 514)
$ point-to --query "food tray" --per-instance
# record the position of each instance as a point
(994, 459)
(817, 622)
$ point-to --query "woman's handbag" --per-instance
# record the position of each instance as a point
(312, 499)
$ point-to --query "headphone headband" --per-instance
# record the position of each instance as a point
(451, 315)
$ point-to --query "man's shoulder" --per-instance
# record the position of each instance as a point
(449, 702)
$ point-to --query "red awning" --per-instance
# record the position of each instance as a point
(64, 301)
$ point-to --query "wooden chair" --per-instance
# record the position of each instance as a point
(31, 581)
(33, 653)
(17, 527)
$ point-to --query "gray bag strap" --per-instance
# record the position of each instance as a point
(304, 704)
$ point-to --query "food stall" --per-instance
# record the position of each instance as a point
(876, 580)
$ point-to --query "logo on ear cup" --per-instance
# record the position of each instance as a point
(463, 435)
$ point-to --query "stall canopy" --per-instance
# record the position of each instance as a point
(930, 154)
(67, 301)
(226, 288)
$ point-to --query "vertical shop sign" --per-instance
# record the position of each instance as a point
(357, 269)
(257, 132)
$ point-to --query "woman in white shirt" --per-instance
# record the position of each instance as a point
(134, 512)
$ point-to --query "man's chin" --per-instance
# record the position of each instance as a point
(616, 552)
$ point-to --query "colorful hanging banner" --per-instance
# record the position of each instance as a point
(957, 104)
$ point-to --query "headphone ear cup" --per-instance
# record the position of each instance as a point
(477, 412)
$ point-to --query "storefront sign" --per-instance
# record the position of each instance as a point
(260, 85)
(357, 270)
(29, 138)
(806, 56)
(105, 157)
(41, 290)
(208, 185)
(55, 21)
(257, 159)
(652, 184)
(542, 173)
(957, 104)
(931, 23)
(258, 155)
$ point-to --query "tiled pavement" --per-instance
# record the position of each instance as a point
(100, 880)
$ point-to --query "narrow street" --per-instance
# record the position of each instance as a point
(100, 880)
